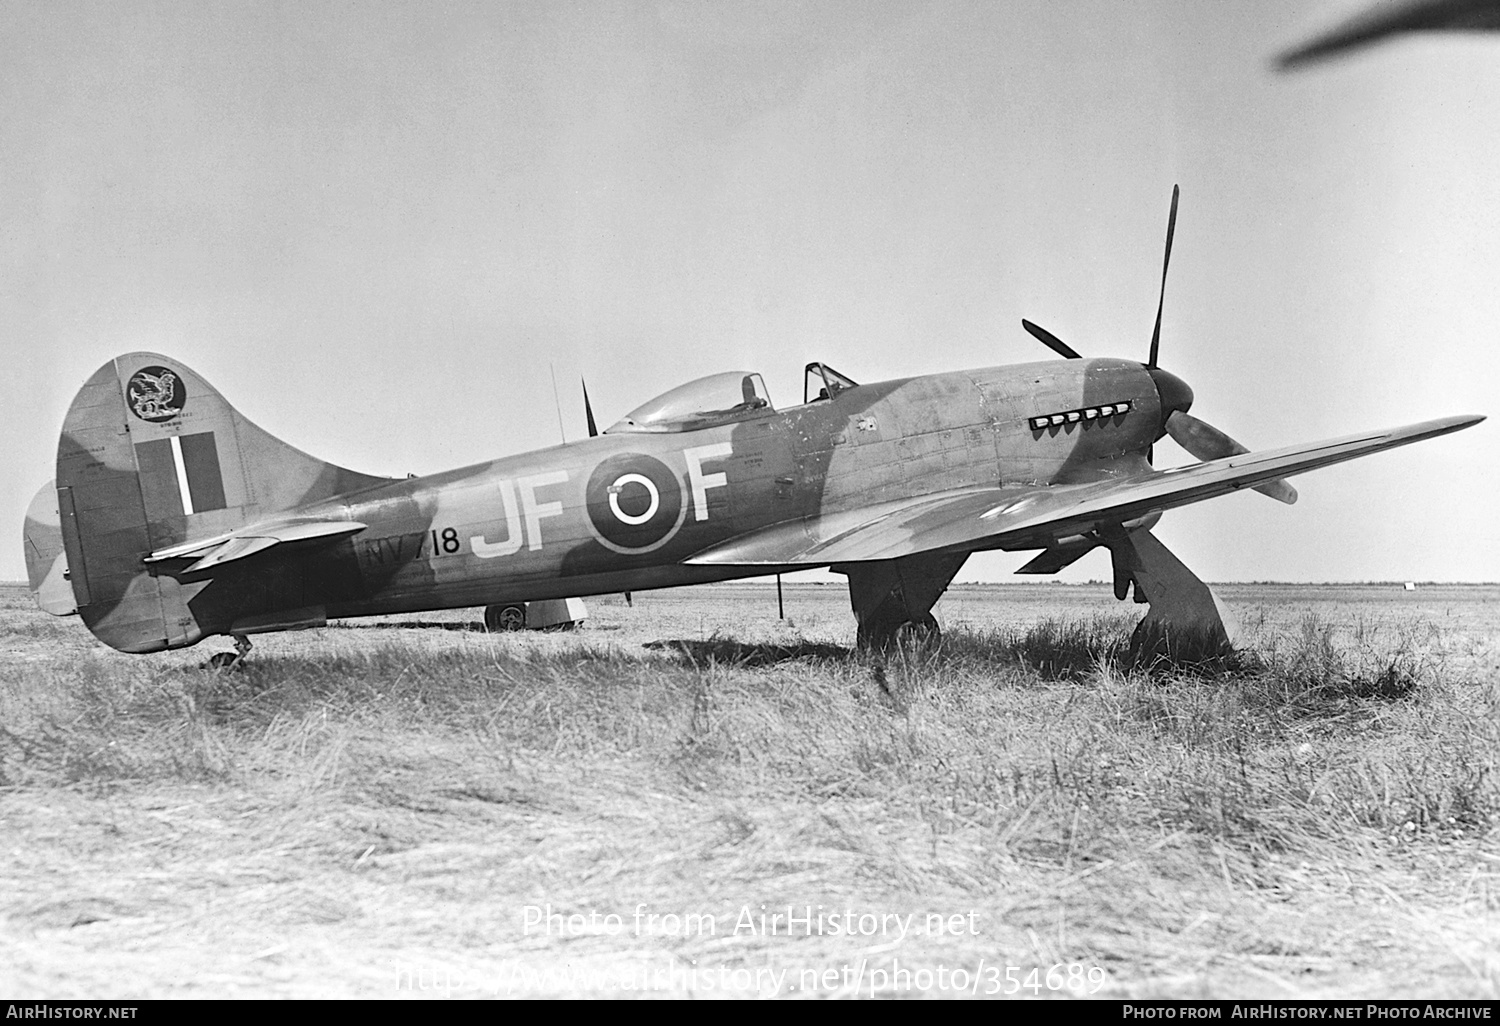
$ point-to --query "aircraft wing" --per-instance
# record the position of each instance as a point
(1394, 16)
(1031, 517)
(253, 538)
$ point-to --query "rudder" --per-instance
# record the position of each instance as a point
(46, 564)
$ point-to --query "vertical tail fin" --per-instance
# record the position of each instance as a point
(152, 456)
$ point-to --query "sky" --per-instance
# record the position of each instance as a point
(381, 228)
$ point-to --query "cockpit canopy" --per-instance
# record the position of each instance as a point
(716, 399)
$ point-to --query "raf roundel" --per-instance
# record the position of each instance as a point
(635, 503)
(156, 394)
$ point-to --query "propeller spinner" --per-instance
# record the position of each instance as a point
(1201, 439)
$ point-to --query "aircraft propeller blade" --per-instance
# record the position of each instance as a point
(588, 411)
(1161, 300)
(1050, 340)
(1207, 442)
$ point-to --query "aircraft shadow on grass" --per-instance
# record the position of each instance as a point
(423, 625)
(739, 653)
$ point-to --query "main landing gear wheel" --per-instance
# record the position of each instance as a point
(504, 618)
(923, 633)
(231, 660)
(881, 634)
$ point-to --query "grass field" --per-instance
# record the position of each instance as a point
(410, 807)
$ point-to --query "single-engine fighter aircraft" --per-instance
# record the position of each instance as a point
(180, 519)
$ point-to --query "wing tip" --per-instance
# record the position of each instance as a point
(1443, 425)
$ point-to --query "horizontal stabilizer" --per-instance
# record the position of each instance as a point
(254, 538)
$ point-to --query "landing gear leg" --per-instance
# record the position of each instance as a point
(879, 628)
(1187, 622)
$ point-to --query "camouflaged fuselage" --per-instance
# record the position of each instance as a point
(617, 512)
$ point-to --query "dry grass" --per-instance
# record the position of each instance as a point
(388, 810)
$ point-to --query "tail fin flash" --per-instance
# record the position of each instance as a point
(151, 456)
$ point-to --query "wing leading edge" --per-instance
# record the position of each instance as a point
(1029, 517)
